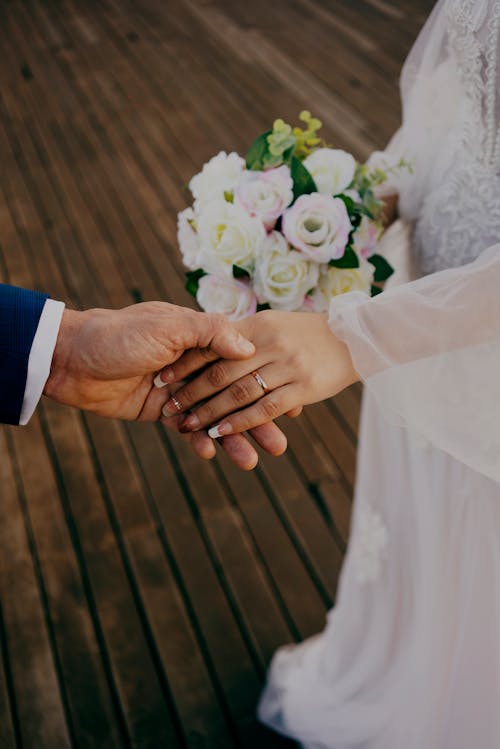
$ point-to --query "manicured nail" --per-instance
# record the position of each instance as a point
(158, 382)
(171, 407)
(164, 378)
(220, 430)
(169, 374)
(244, 345)
(190, 424)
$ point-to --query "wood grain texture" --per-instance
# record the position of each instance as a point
(143, 593)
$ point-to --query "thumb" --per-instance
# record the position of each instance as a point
(225, 341)
(205, 339)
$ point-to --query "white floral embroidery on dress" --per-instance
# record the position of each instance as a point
(370, 544)
(462, 203)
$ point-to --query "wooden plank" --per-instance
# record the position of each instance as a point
(233, 673)
(40, 711)
(338, 444)
(125, 643)
(9, 722)
(86, 688)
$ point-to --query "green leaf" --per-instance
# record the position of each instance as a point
(240, 272)
(303, 183)
(348, 260)
(372, 207)
(376, 290)
(257, 152)
(354, 210)
(383, 269)
(193, 280)
(348, 202)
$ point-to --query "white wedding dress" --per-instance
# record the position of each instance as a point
(410, 656)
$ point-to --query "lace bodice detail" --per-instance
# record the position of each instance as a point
(461, 211)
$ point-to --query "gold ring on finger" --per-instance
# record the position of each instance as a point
(176, 402)
(261, 381)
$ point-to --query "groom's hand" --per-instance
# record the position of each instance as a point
(105, 361)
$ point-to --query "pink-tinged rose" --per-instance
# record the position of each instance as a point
(265, 194)
(366, 238)
(319, 226)
(227, 296)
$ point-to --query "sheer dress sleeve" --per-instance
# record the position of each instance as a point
(429, 351)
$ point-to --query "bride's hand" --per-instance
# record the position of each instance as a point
(298, 359)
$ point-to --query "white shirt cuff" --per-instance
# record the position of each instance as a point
(41, 355)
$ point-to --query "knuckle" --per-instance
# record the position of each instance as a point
(184, 396)
(240, 392)
(216, 375)
(271, 408)
(209, 411)
(219, 323)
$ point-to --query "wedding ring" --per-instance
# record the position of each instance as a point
(176, 402)
(261, 381)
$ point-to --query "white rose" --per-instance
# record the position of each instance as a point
(319, 226)
(283, 276)
(188, 239)
(219, 175)
(227, 296)
(228, 236)
(332, 169)
(265, 194)
(335, 281)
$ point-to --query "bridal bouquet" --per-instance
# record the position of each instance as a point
(289, 227)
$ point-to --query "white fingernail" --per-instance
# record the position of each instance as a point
(220, 430)
(158, 382)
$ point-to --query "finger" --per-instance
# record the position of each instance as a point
(237, 447)
(154, 403)
(240, 451)
(190, 362)
(227, 342)
(211, 332)
(203, 446)
(211, 381)
(268, 436)
(239, 394)
(294, 412)
(266, 409)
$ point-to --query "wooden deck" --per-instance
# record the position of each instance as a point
(142, 591)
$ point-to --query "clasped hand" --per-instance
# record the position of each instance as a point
(105, 361)
(298, 361)
(132, 364)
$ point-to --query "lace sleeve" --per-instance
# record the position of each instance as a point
(430, 352)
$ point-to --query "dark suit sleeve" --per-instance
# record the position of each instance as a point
(20, 312)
